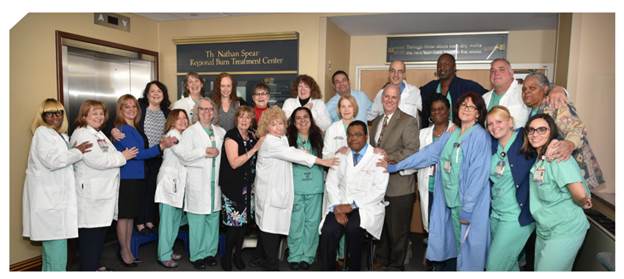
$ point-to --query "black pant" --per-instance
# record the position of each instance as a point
(392, 246)
(90, 246)
(330, 237)
(234, 237)
(270, 249)
(148, 207)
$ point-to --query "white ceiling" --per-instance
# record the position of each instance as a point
(410, 23)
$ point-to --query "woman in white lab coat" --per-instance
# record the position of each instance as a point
(193, 90)
(274, 182)
(97, 180)
(307, 93)
(335, 140)
(170, 188)
(200, 149)
(49, 199)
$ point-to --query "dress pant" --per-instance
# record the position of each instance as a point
(392, 246)
(91, 244)
(148, 208)
(331, 233)
(270, 249)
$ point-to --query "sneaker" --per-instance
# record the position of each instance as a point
(199, 264)
(210, 261)
(293, 266)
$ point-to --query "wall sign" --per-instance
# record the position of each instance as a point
(466, 47)
(272, 58)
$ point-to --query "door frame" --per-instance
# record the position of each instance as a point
(60, 35)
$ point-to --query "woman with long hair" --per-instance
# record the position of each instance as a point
(49, 198)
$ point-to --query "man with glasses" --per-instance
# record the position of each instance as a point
(410, 94)
(342, 85)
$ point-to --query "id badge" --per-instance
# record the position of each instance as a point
(447, 166)
(103, 145)
(500, 168)
(538, 176)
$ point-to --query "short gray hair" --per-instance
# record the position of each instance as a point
(215, 114)
(389, 85)
(540, 77)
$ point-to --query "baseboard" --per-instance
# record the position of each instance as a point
(32, 264)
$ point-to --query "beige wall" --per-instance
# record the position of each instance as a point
(524, 47)
(33, 78)
(308, 26)
(591, 81)
(337, 49)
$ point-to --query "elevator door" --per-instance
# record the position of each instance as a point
(90, 74)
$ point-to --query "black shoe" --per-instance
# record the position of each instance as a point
(256, 262)
(304, 265)
(132, 264)
(226, 264)
(293, 266)
(239, 263)
(210, 261)
(199, 264)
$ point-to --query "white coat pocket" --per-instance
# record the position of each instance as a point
(100, 188)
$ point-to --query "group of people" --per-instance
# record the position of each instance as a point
(492, 168)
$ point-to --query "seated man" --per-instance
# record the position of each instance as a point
(355, 193)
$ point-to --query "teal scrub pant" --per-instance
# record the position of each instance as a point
(54, 255)
(456, 226)
(558, 253)
(508, 240)
(203, 235)
(303, 236)
(170, 220)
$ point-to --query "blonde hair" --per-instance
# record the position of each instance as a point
(49, 105)
(215, 113)
(268, 116)
(502, 112)
(353, 103)
(120, 119)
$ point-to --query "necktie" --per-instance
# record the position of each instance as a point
(383, 128)
(356, 157)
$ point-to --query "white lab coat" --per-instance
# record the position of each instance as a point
(319, 111)
(49, 206)
(192, 149)
(411, 102)
(364, 184)
(97, 179)
(187, 104)
(274, 183)
(171, 180)
(335, 138)
(512, 100)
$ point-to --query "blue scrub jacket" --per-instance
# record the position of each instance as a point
(474, 189)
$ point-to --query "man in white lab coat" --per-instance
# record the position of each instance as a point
(411, 102)
(355, 191)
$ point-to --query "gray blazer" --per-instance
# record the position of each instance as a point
(400, 140)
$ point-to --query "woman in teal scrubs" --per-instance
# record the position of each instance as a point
(511, 223)
(308, 183)
(558, 196)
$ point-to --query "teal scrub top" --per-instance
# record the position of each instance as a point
(450, 162)
(213, 143)
(307, 180)
(495, 100)
(448, 97)
(432, 176)
(504, 203)
(552, 206)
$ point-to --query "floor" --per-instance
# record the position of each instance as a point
(147, 254)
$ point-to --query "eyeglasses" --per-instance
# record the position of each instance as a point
(468, 108)
(57, 113)
(261, 94)
(204, 109)
(397, 71)
(304, 118)
(540, 130)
